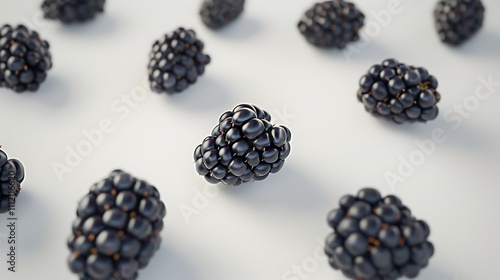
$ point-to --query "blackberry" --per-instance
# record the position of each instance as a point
(24, 58)
(458, 20)
(244, 146)
(117, 229)
(176, 61)
(11, 177)
(218, 13)
(332, 24)
(399, 92)
(69, 11)
(377, 237)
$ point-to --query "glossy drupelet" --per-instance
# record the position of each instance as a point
(176, 61)
(218, 13)
(24, 58)
(377, 238)
(244, 146)
(69, 11)
(458, 20)
(117, 229)
(11, 177)
(332, 24)
(399, 92)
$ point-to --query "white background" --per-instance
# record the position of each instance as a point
(259, 230)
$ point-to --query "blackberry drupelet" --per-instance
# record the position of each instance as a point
(244, 146)
(69, 11)
(377, 238)
(399, 92)
(176, 61)
(11, 177)
(218, 13)
(24, 58)
(332, 24)
(117, 229)
(458, 20)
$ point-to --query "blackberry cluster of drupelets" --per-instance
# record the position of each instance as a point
(117, 229)
(11, 177)
(377, 238)
(458, 20)
(332, 24)
(176, 61)
(24, 58)
(69, 11)
(218, 13)
(399, 92)
(244, 146)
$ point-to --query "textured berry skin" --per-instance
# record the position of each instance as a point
(69, 11)
(332, 24)
(244, 146)
(11, 176)
(117, 229)
(176, 61)
(376, 238)
(218, 13)
(458, 20)
(24, 59)
(399, 92)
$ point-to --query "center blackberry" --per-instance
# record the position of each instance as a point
(11, 177)
(332, 24)
(117, 229)
(377, 238)
(244, 146)
(24, 58)
(399, 92)
(176, 61)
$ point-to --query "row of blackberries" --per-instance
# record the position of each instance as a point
(214, 13)
(393, 90)
(332, 23)
(118, 224)
(337, 23)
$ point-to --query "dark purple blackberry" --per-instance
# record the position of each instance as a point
(176, 61)
(244, 146)
(11, 177)
(117, 229)
(69, 11)
(377, 238)
(332, 24)
(399, 92)
(24, 58)
(458, 20)
(218, 13)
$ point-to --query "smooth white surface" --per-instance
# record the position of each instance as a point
(259, 230)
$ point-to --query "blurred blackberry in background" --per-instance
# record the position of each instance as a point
(176, 61)
(11, 177)
(377, 238)
(332, 24)
(24, 58)
(244, 146)
(69, 11)
(399, 92)
(458, 20)
(218, 13)
(117, 229)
